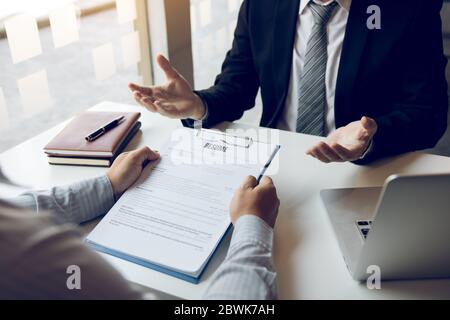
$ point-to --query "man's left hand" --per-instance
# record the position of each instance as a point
(127, 168)
(347, 143)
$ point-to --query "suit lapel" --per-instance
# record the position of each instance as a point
(351, 56)
(286, 14)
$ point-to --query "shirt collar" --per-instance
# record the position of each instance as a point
(345, 4)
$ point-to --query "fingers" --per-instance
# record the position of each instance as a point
(152, 155)
(325, 153)
(266, 181)
(145, 101)
(166, 109)
(266, 184)
(316, 153)
(367, 130)
(154, 100)
(143, 155)
(156, 92)
(165, 65)
(369, 124)
(249, 182)
(332, 153)
(335, 152)
(329, 152)
(143, 90)
(344, 153)
(161, 106)
(120, 157)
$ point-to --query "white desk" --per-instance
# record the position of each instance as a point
(308, 259)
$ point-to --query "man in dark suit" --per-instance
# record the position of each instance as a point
(367, 75)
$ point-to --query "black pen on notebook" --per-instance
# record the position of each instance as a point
(101, 131)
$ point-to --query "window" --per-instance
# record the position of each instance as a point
(60, 57)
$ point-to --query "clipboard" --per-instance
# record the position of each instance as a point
(160, 226)
(239, 141)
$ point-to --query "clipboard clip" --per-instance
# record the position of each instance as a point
(224, 138)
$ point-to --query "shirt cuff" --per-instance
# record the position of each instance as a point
(368, 150)
(250, 228)
(95, 197)
(205, 116)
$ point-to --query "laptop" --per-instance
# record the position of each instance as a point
(403, 227)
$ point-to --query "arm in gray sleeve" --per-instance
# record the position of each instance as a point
(76, 203)
(248, 271)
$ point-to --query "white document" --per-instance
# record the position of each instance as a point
(177, 213)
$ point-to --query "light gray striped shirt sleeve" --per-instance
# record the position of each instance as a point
(75, 203)
(246, 273)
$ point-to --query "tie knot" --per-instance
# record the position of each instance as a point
(321, 13)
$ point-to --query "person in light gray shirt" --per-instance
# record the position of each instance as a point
(38, 240)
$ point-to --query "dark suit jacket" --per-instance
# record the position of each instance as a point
(395, 75)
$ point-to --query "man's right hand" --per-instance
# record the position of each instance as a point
(256, 199)
(174, 99)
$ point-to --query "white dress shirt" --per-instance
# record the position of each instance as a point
(336, 33)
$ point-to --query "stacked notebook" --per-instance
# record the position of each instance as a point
(70, 146)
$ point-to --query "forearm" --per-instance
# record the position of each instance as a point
(76, 203)
(248, 271)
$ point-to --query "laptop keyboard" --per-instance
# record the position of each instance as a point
(364, 227)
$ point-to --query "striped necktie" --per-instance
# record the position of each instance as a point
(311, 118)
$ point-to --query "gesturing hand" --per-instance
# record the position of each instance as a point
(346, 143)
(174, 99)
(256, 199)
(127, 168)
